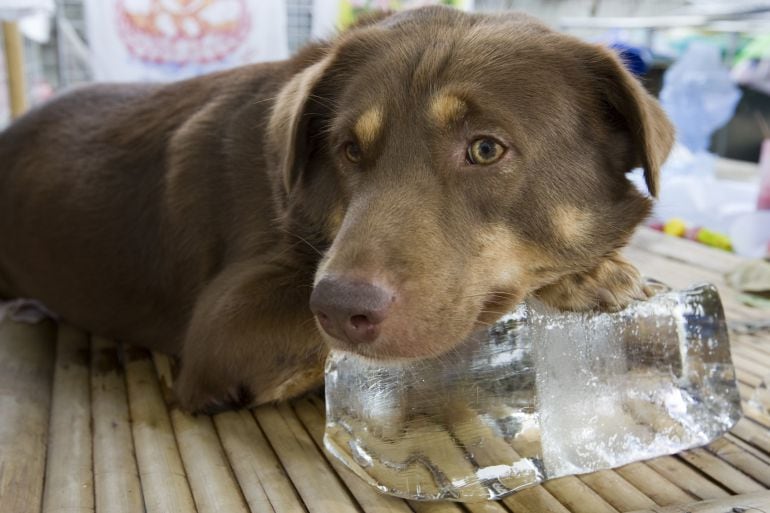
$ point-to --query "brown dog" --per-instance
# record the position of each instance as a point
(419, 175)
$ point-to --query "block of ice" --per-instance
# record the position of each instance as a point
(541, 394)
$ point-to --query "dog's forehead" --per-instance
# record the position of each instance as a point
(443, 108)
(485, 63)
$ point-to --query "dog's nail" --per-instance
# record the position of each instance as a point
(648, 291)
(608, 299)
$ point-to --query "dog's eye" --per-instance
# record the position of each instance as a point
(353, 152)
(484, 151)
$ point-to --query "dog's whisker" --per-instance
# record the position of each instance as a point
(498, 294)
(306, 322)
(495, 312)
(304, 240)
(329, 103)
(257, 102)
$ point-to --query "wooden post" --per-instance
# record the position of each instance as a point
(14, 63)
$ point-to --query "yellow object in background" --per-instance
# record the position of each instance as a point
(714, 239)
(678, 228)
(350, 10)
(675, 227)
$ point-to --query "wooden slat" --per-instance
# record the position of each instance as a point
(662, 491)
(69, 480)
(758, 344)
(214, 488)
(747, 364)
(686, 251)
(747, 381)
(534, 500)
(757, 353)
(577, 496)
(26, 371)
(164, 482)
(686, 478)
(746, 391)
(367, 496)
(486, 507)
(212, 483)
(314, 479)
(260, 475)
(753, 433)
(721, 471)
(748, 448)
(741, 460)
(436, 507)
(749, 411)
(618, 492)
(116, 479)
(681, 275)
(749, 503)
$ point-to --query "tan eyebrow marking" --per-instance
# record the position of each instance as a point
(368, 126)
(446, 108)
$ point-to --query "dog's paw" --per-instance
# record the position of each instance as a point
(611, 286)
(195, 397)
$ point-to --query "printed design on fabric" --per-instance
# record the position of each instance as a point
(181, 32)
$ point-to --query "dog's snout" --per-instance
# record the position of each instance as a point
(351, 310)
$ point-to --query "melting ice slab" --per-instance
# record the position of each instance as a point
(653, 379)
(542, 394)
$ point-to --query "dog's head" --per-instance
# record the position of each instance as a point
(449, 164)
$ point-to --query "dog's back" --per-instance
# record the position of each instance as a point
(113, 199)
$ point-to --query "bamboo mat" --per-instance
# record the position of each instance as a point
(87, 427)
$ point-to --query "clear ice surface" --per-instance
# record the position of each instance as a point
(541, 394)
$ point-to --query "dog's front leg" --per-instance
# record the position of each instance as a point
(611, 285)
(251, 340)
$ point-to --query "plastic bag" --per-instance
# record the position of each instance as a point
(698, 95)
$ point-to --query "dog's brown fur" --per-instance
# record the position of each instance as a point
(195, 217)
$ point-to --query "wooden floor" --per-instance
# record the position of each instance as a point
(82, 431)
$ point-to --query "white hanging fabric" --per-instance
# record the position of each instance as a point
(161, 40)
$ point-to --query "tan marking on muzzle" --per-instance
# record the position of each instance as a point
(447, 108)
(501, 262)
(368, 126)
(334, 220)
(571, 223)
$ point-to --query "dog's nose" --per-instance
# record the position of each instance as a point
(350, 310)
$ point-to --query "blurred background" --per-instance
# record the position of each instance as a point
(707, 60)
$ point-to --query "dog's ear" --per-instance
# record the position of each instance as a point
(293, 112)
(636, 111)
